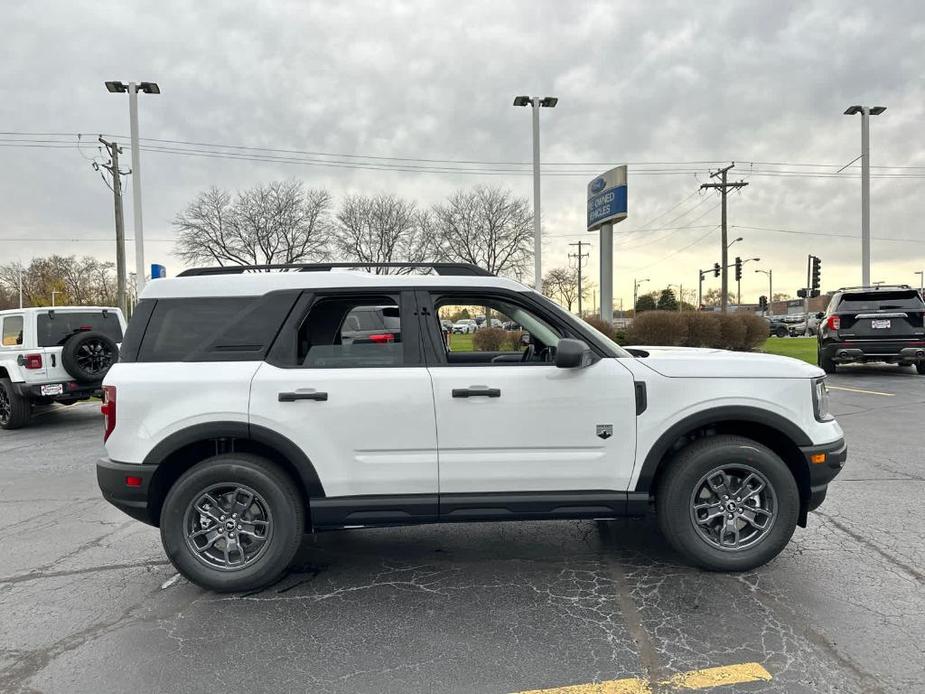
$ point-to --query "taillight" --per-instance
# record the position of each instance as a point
(833, 323)
(383, 338)
(32, 361)
(108, 410)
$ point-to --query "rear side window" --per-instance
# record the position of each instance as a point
(351, 332)
(874, 301)
(239, 328)
(11, 330)
(55, 327)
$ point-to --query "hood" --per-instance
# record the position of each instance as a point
(699, 362)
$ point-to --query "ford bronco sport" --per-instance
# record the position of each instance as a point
(57, 354)
(241, 415)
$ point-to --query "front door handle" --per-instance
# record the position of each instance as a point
(292, 397)
(476, 392)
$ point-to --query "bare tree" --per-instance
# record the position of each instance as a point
(68, 279)
(280, 222)
(561, 283)
(488, 227)
(382, 229)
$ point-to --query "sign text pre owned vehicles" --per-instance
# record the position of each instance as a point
(244, 412)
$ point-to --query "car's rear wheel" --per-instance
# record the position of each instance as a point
(15, 410)
(232, 522)
(781, 332)
(727, 503)
(825, 363)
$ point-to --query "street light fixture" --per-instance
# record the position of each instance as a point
(132, 88)
(866, 112)
(636, 284)
(537, 103)
(734, 241)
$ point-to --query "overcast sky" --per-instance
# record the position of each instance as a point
(689, 84)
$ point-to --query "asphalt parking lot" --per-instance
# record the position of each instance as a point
(88, 602)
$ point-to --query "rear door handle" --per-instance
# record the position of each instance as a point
(476, 392)
(292, 397)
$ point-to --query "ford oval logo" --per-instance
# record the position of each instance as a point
(597, 185)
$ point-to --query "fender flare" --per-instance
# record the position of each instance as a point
(241, 430)
(715, 415)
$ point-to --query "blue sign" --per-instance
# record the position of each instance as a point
(158, 271)
(607, 198)
(607, 206)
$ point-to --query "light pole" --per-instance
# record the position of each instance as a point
(636, 284)
(770, 275)
(921, 274)
(866, 112)
(132, 88)
(537, 103)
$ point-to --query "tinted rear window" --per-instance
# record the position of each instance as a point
(873, 301)
(55, 327)
(214, 329)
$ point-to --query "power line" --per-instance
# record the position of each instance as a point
(680, 250)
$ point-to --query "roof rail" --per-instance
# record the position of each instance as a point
(874, 287)
(439, 268)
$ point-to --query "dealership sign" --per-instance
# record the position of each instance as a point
(607, 198)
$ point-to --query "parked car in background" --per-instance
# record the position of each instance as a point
(465, 326)
(58, 354)
(873, 324)
(777, 327)
(365, 324)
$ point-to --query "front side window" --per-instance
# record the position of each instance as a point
(12, 331)
(499, 332)
(351, 332)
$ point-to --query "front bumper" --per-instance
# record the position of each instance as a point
(824, 462)
(113, 478)
(874, 350)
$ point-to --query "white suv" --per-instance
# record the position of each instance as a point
(58, 354)
(238, 418)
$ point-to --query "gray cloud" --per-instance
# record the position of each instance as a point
(637, 82)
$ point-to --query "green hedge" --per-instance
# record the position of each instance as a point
(742, 332)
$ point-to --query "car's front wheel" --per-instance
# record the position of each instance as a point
(232, 522)
(727, 503)
(825, 363)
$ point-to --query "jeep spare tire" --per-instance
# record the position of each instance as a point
(88, 355)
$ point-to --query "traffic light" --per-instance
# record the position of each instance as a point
(738, 268)
(815, 273)
(763, 303)
(716, 269)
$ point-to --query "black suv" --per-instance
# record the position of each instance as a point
(882, 323)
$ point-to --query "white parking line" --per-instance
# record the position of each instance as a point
(860, 390)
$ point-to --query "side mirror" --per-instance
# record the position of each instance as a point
(573, 354)
(820, 315)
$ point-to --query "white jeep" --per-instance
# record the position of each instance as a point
(58, 354)
(239, 417)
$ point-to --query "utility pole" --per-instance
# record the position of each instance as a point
(20, 284)
(579, 256)
(113, 169)
(723, 187)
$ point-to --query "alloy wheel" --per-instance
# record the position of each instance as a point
(93, 356)
(228, 526)
(733, 507)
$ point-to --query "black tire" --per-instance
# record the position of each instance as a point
(273, 487)
(920, 367)
(825, 363)
(781, 332)
(674, 499)
(15, 410)
(88, 356)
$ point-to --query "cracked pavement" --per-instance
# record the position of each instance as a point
(88, 602)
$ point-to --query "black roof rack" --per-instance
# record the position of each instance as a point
(439, 268)
(873, 287)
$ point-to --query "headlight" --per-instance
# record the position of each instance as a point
(821, 400)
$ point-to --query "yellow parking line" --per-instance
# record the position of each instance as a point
(861, 390)
(696, 679)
